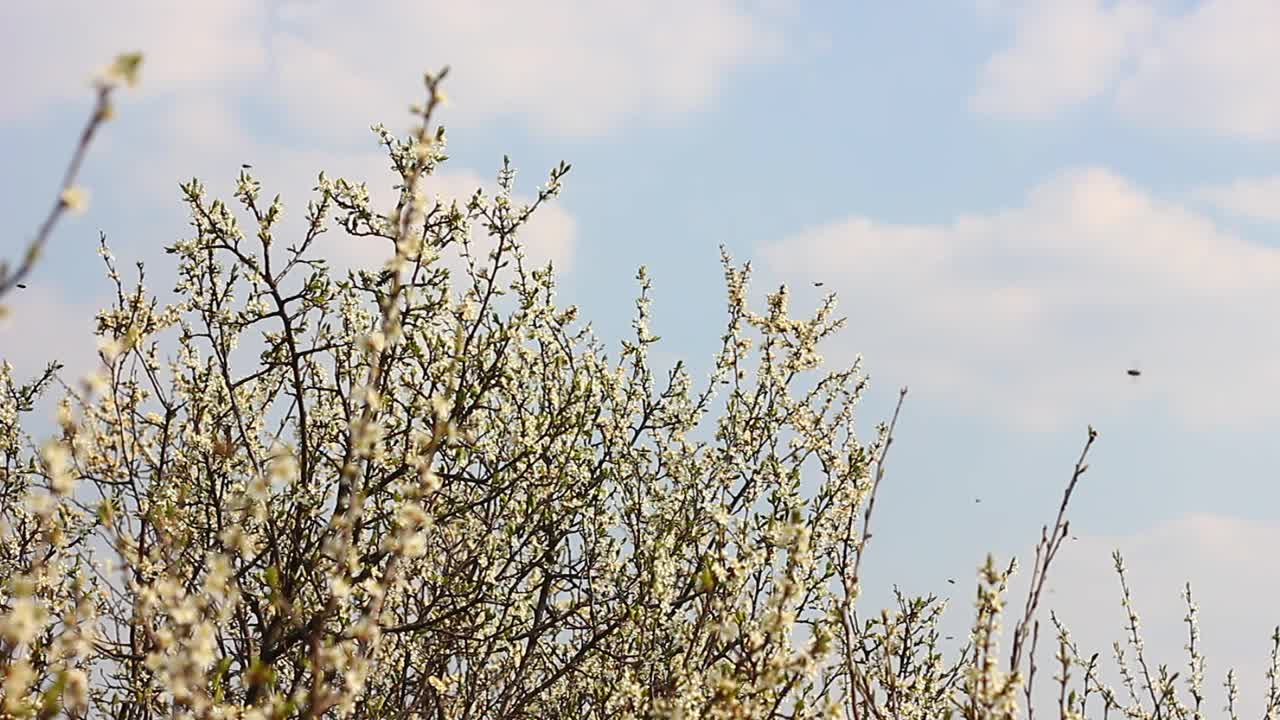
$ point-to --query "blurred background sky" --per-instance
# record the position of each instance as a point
(1014, 201)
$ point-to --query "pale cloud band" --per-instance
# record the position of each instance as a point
(321, 72)
(1233, 571)
(324, 71)
(1031, 315)
(1256, 199)
(1207, 68)
(568, 67)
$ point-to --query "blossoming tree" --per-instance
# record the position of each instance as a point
(434, 494)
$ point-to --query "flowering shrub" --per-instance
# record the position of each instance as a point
(435, 495)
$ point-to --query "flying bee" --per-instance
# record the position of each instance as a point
(819, 284)
(1133, 372)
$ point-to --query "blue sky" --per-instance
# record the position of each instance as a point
(1015, 201)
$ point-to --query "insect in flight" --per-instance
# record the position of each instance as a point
(1133, 372)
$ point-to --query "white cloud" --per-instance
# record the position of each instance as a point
(292, 88)
(1208, 68)
(1063, 53)
(41, 327)
(1251, 198)
(571, 67)
(201, 138)
(566, 66)
(1032, 314)
(51, 50)
(1211, 69)
(1229, 561)
(1234, 575)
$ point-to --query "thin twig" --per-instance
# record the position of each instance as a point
(875, 486)
(1046, 549)
(850, 630)
(124, 68)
